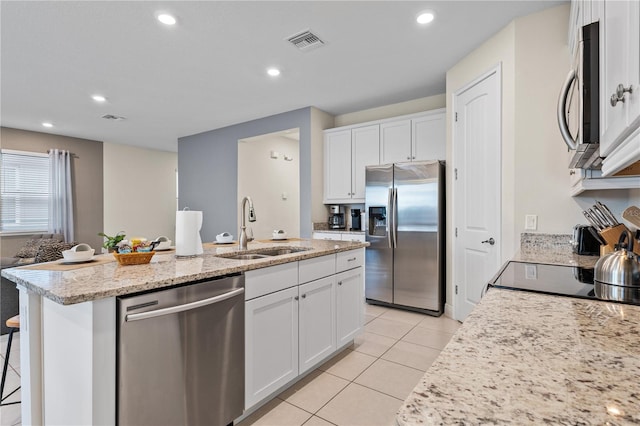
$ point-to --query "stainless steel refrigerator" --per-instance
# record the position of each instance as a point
(405, 227)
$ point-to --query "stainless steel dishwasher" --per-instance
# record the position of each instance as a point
(181, 355)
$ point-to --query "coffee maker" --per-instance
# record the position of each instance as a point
(336, 217)
(355, 220)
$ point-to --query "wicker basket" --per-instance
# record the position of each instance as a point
(135, 258)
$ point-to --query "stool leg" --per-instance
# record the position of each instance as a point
(6, 363)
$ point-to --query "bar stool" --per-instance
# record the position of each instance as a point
(13, 324)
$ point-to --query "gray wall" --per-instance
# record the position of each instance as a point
(208, 171)
(88, 184)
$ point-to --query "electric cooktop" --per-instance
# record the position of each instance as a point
(559, 280)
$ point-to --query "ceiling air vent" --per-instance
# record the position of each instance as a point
(305, 40)
(112, 117)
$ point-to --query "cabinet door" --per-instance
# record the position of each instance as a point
(429, 137)
(620, 59)
(317, 314)
(337, 176)
(395, 141)
(365, 152)
(271, 343)
(349, 305)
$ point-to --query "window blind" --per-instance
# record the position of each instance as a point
(24, 191)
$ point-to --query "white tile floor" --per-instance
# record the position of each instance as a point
(363, 385)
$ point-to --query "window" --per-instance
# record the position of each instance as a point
(24, 195)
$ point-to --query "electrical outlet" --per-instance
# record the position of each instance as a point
(530, 222)
(530, 272)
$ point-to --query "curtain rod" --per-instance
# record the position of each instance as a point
(72, 154)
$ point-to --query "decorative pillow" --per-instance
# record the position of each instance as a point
(30, 249)
(52, 251)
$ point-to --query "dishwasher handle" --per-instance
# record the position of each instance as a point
(185, 307)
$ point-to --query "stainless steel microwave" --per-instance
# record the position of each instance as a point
(579, 102)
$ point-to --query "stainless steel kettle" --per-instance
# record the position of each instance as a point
(617, 275)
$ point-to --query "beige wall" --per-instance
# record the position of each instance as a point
(265, 179)
(393, 110)
(320, 120)
(139, 191)
(87, 172)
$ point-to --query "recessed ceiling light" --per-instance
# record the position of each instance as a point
(47, 124)
(98, 98)
(273, 72)
(167, 19)
(425, 17)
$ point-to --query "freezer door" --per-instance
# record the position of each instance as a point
(418, 274)
(379, 255)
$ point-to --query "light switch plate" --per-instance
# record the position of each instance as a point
(530, 222)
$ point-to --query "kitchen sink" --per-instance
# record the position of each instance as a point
(263, 253)
(248, 256)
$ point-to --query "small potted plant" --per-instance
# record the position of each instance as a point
(111, 243)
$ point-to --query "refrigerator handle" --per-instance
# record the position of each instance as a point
(395, 217)
(390, 218)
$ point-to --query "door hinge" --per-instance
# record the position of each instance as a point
(456, 232)
(456, 289)
(455, 172)
(456, 118)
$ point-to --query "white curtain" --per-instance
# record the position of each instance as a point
(60, 194)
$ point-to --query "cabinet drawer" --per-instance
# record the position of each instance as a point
(326, 236)
(318, 267)
(259, 282)
(354, 237)
(349, 259)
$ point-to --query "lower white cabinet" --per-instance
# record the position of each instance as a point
(293, 329)
(349, 290)
(271, 343)
(317, 316)
(344, 236)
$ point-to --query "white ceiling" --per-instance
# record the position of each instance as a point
(208, 71)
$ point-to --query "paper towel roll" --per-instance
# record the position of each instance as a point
(188, 224)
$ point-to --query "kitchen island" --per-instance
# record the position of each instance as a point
(529, 358)
(68, 315)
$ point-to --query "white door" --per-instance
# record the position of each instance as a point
(349, 306)
(365, 151)
(429, 137)
(317, 316)
(395, 141)
(476, 162)
(337, 175)
(271, 343)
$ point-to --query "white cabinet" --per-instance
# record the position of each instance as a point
(395, 141)
(347, 153)
(339, 236)
(290, 329)
(417, 138)
(271, 343)
(349, 299)
(337, 162)
(620, 67)
(429, 136)
(317, 316)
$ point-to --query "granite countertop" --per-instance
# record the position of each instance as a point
(530, 358)
(110, 279)
(526, 358)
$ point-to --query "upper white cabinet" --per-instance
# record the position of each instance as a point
(346, 154)
(429, 137)
(620, 73)
(395, 141)
(349, 149)
(415, 139)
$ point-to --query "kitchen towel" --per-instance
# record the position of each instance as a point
(188, 224)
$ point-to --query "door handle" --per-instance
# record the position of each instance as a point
(185, 307)
(491, 241)
(562, 118)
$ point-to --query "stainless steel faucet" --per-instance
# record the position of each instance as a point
(243, 240)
